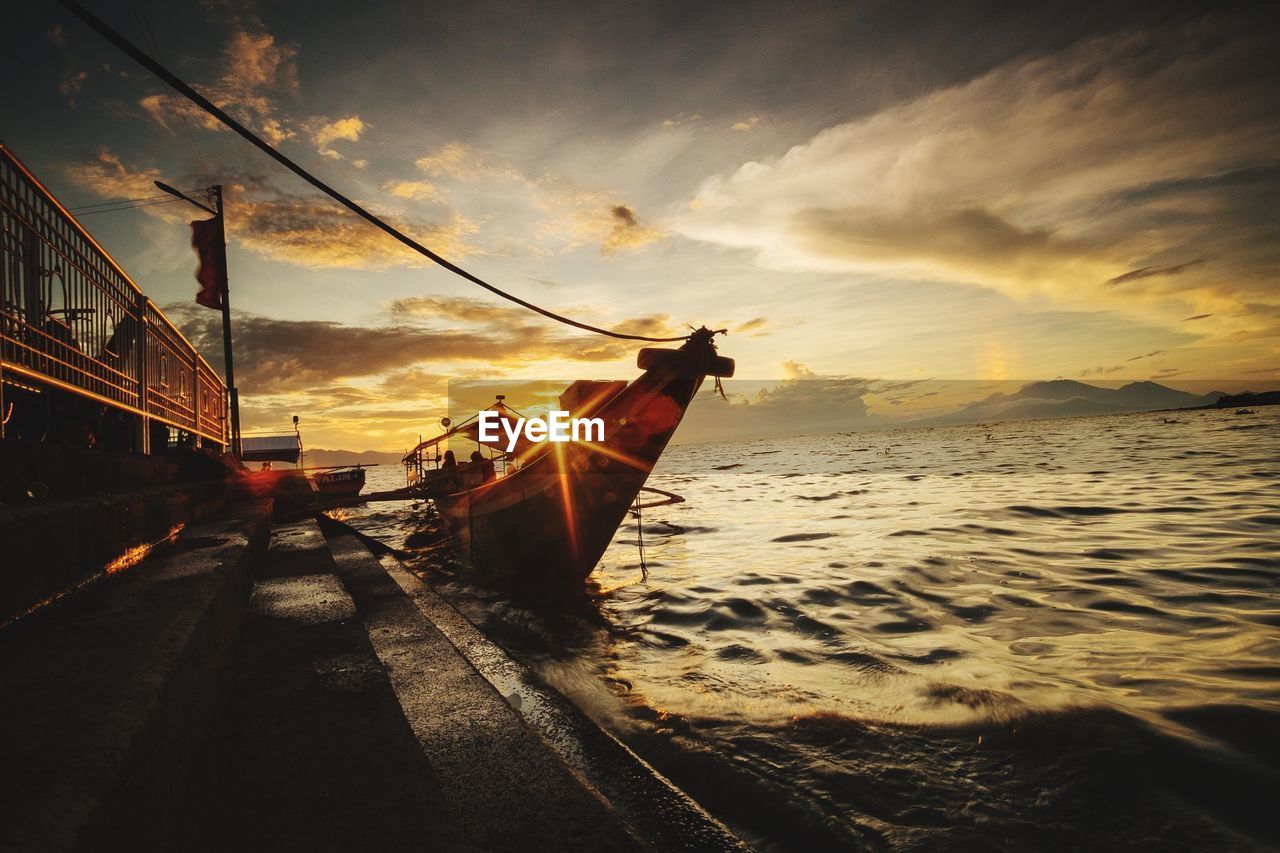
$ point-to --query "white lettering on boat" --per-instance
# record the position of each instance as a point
(560, 427)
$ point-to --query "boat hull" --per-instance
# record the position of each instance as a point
(552, 520)
(339, 484)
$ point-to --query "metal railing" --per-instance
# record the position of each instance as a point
(72, 319)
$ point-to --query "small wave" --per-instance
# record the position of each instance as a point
(904, 626)
(866, 593)
(1111, 605)
(866, 662)
(970, 697)
(671, 641)
(802, 537)
(978, 613)
(739, 652)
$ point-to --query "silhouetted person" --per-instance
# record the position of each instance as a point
(486, 465)
(449, 471)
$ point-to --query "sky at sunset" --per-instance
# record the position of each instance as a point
(983, 191)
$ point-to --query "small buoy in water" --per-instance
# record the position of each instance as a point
(38, 491)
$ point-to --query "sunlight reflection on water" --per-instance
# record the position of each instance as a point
(825, 609)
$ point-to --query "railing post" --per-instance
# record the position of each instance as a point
(195, 397)
(140, 371)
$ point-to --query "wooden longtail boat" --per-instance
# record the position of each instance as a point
(551, 517)
(298, 484)
(340, 482)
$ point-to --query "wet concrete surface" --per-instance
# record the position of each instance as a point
(506, 788)
(313, 749)
(107, 694)
(297, 548)
(321, 707)
(659, 812)
(51, 546)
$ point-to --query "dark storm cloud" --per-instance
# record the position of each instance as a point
(971, 238)
(1148, 272)
(311, 231)
(500, 315)
(624, 231)
(457, 309)
(625, 217)
(890, 387)
(275, 355)
(1102, 371)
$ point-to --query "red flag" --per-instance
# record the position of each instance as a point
(206, 239)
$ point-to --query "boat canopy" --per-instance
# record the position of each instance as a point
(271, 448)
(470, 430)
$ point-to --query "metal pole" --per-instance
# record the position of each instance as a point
(144, 377)
(236, 448)
(233, 396)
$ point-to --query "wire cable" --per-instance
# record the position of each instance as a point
(118, 208)
(129, 201)
(149, 36)
(199, 100)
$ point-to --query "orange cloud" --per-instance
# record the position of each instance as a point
(324, 133)
(107, 176)
(413, 190)
(314, 232)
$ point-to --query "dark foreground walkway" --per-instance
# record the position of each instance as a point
(255, 690)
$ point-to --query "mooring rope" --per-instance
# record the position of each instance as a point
(199, 100)
(636, 511)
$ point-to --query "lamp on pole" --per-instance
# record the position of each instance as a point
(215, 198)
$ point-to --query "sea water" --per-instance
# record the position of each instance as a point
(1032, 635)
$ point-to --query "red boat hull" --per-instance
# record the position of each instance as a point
(551, 521)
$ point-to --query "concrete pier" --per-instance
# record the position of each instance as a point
(250, 687)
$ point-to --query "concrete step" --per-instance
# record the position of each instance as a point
(315, 752)
(297, 548)
(108, 695)
(502, 783)
(661, 814)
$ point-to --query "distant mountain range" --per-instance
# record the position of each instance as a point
(1058, 398)
(1064, 398)
(1250, 398)
(321, 458)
